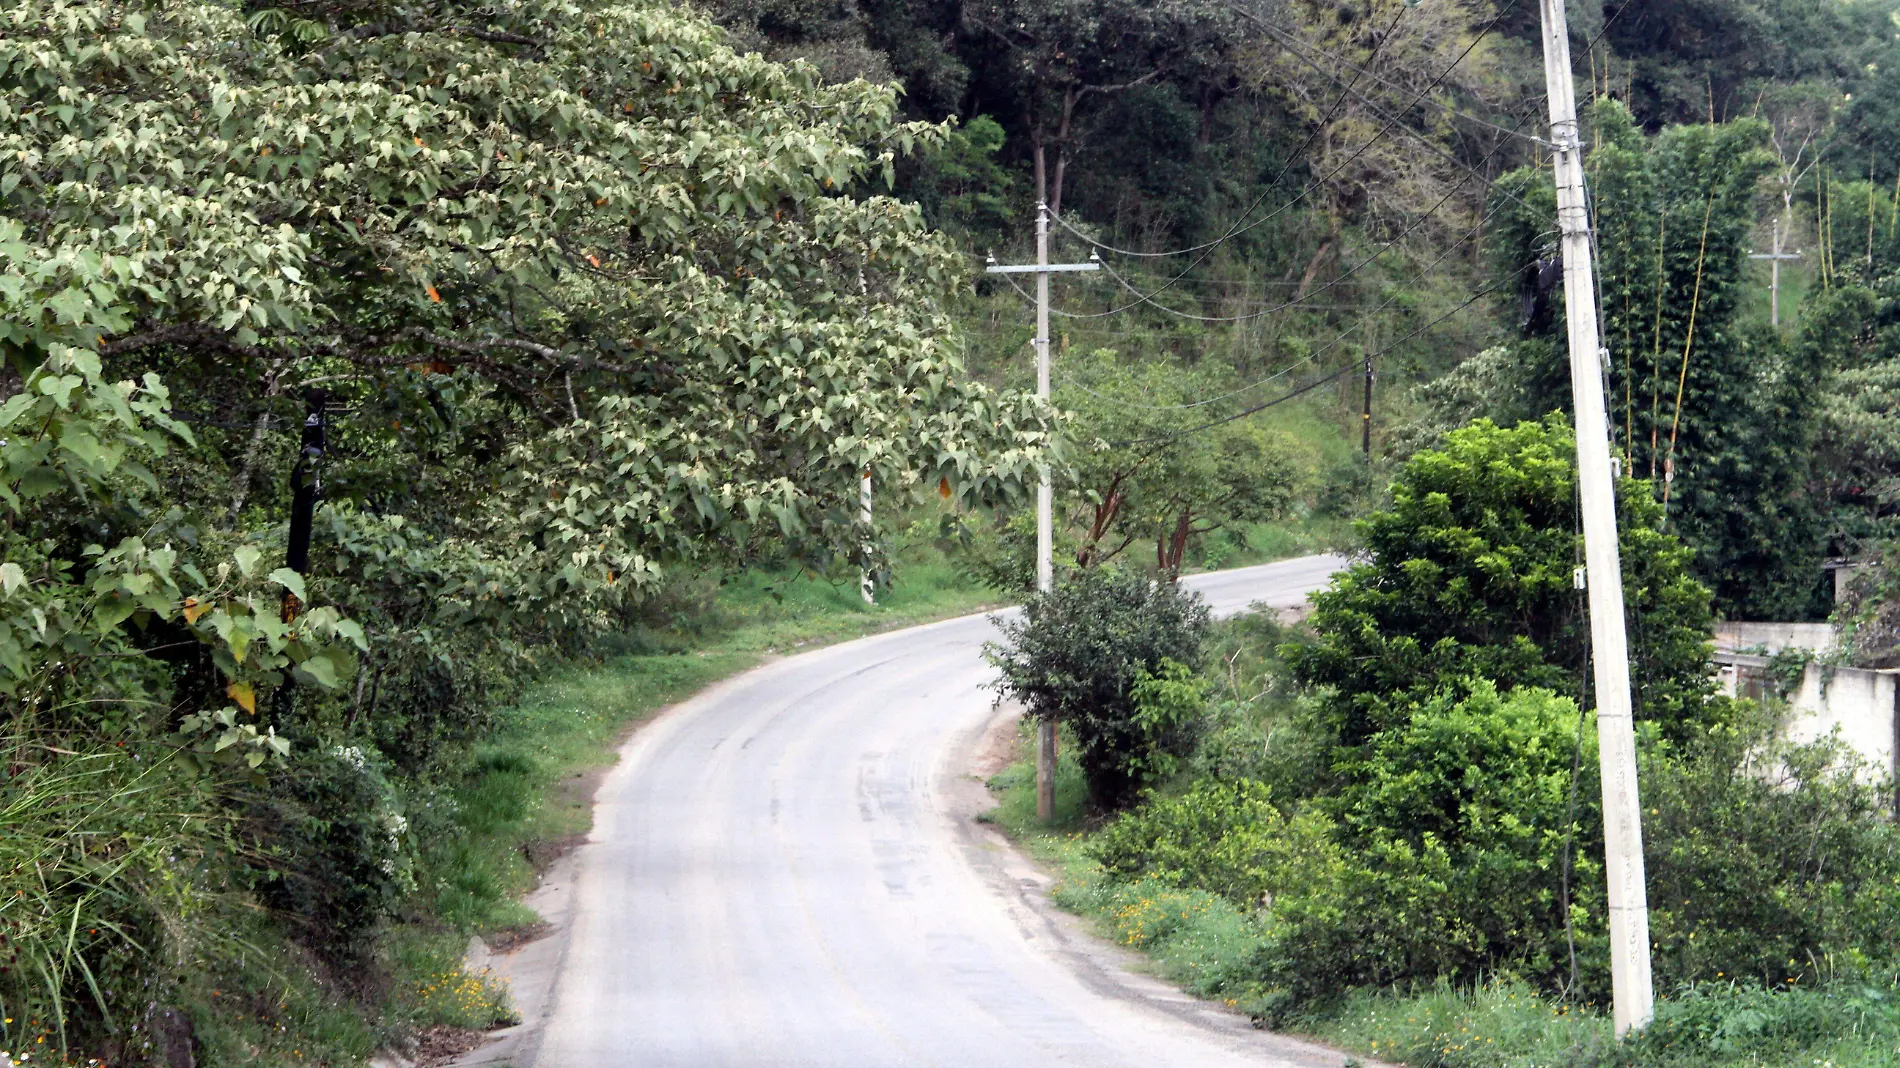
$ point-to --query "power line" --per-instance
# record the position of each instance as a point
(1310, 386)
(1391, 121)
(1304, 145)
(1376, 110)
(1142, 298)
(1516, 132)
(1287, 39)
(1347, 88)
(1337, 339)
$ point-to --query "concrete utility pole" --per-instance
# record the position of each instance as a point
(1631, 983)
(1774, 274)
(1045, 494)
(865, 583)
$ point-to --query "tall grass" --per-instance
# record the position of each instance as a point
(101, 879)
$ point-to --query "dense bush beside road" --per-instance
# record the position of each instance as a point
(1371, 821)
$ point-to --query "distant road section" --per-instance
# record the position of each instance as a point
(783, 871)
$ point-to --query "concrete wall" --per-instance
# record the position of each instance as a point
(1861, 703)
(1774, 636)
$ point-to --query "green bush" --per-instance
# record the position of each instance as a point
(1767, 860)
(334, 855)
(1456, 828)
(1076, 655)
(1469, 574)
(1224, 837)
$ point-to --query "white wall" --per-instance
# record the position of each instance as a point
(1860, 702)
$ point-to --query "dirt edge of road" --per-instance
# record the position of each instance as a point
(1108, 969)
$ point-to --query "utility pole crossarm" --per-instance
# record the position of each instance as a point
(1774, 274)
(1033, 268)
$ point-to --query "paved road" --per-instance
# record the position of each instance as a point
(782, 872)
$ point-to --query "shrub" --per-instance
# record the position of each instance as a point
(1225, 837)
(335, 857)
(1469, 575)
(1456, 828)
(1076, 655)
(1767, 858)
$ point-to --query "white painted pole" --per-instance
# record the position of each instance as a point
(1616, 737)
(865, 585)
(1045, 505)
(1045, 516)
(1774, 280)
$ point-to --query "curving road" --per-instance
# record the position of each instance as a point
(783, 871)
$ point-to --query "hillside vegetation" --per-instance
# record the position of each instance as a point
(362, 364)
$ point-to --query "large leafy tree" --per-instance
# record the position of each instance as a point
(1158, 457)
(1469, 574)
(585, 296)
(584, 279)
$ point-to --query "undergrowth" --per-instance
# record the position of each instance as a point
(1214, 949)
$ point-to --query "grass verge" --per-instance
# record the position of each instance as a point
(1213, 949)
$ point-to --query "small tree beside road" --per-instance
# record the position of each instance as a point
(1076, 655)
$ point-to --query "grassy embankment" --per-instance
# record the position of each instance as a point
(1210, 947)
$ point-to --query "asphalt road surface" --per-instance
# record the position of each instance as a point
(783, 871)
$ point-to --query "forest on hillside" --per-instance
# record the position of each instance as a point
(364, 362)
(1344, 181)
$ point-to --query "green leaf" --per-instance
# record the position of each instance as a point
(289, 580)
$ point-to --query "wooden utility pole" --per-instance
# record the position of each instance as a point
(1631, 983)
(1365, 414)
(1045, 494)
(1774, 274)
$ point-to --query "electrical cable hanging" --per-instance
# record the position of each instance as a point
(1347, 88)
(1316, 383)
(1287, 39)
(1147, 298)
(1515, 132)
(1278, 176)
(1310, 357)
(1141, 298)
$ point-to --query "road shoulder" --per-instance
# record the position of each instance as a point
(1023, 887)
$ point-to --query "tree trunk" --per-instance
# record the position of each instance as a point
(1210, 99)
(1105, 514)
(1312, 267)
(1069, 93)
(1171, 547)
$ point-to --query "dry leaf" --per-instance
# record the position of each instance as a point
(244, 697)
